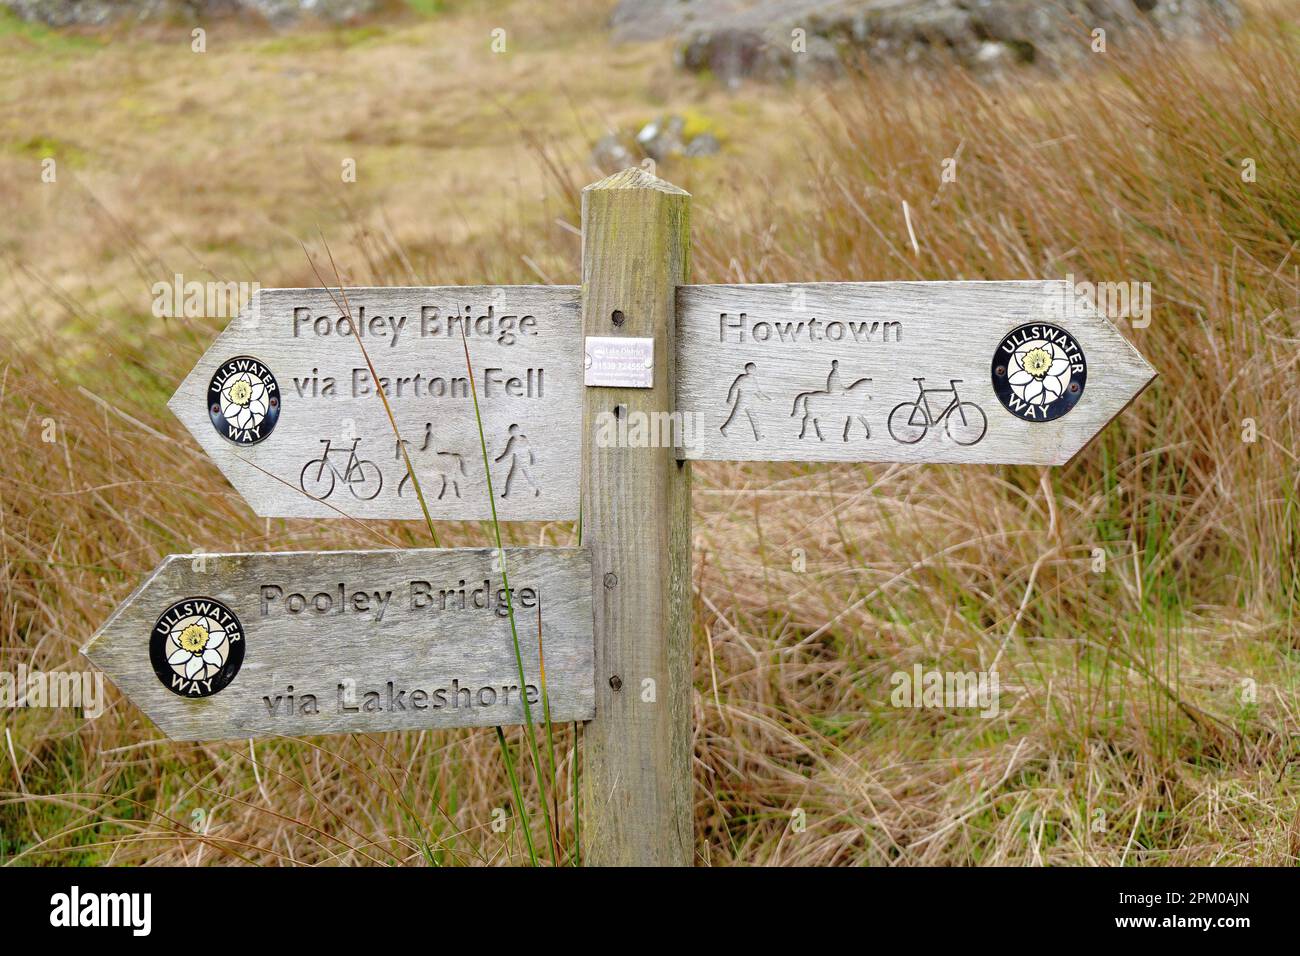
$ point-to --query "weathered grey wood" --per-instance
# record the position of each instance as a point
(636, 771)
(900, 330)
(270, 473)
(414, 647)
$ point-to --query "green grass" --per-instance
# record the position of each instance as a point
(21, 35)
(324, 40)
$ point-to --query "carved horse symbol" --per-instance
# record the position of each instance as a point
(448, 466)
(834, 406)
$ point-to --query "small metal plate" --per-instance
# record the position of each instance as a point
(619, 362)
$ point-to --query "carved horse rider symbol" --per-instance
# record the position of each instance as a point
(836, 403)
(742, 393)
(446, 465)
(521, 457)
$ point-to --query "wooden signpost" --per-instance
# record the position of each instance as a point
(219, 646)
(636, 509)
(899, 371)
(291, 407)
(286, 403)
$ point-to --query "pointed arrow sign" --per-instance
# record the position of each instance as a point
(220, 646)
(287, 403)
(287, 406)
(970, 372)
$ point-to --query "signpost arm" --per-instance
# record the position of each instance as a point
(636, 512)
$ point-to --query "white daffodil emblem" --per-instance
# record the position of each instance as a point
(243, 400)
(197, 647)
(1039, 372)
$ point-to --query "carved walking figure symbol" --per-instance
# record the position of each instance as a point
(521, 457)
(742, 393)
(836, 402)
(449, 466)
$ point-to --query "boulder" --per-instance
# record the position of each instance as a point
(609, 155)
(64, 13)
(735, 40)
(661, 139)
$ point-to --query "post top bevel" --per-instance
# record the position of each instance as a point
(634, 177)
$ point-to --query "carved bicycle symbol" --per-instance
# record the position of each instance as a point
(361, 475)
(965, 422)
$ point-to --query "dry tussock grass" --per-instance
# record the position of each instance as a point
(1123, 734)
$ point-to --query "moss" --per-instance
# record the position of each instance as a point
(42, 146)
(427, 8)
(696, 124)
(318, 40)
(41, 38)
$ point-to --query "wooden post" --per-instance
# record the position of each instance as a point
(636, 513)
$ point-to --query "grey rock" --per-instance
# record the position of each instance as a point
(661, 139)
(737, 40)
(609, 155)
(729, 54)
(706, 144)
(283, 12)
(63, 13)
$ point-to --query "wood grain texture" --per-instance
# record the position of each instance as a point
(889, 332)
(281, 329)
(414, 647)
(636, 776)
